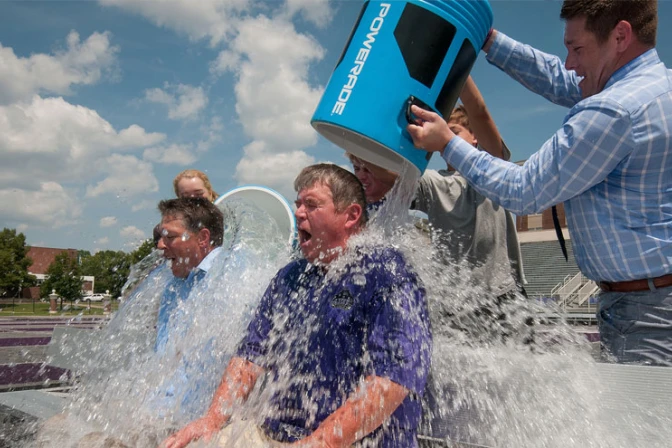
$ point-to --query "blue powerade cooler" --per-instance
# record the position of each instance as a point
(400, 53)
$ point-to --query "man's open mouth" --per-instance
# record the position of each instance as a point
(304, 236)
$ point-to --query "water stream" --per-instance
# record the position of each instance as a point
(518, 381)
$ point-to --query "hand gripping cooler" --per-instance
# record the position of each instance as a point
(399, 53)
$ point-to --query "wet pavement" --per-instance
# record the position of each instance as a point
(23, 351)
(23, 342)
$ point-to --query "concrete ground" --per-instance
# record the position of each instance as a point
(23, 350)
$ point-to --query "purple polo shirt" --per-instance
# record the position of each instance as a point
(321, 333)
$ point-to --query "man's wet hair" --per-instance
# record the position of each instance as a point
(345, 188)
(196, 214)
(459, 115)
(156, 235)
(602, 16)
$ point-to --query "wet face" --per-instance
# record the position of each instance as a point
(192, 187)
(595, 62)
(322, 229)
(375, 188)
(179, 245)
(462, 132)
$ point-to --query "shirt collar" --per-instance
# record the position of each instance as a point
(205, 264)
(209, 259)
(644, 60)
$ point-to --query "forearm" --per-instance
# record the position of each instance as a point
(364, 411)
(480, 120)
(541, 73)
(569, 163)
(237, 384)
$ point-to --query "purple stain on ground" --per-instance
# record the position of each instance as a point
(592, 337)
(12, 330)
(19, 342)
(29, 373)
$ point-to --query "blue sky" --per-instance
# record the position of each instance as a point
(103, 103)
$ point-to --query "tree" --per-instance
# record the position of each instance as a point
(14, 263)
(65, 277)
(81, 255)
(110, 268)
(141, 252)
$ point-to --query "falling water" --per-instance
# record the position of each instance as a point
(132, 394)
(526, 380)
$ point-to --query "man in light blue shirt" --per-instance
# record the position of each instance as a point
(192, 233)
(610, 163)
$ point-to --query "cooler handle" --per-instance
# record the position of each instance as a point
(411, 101)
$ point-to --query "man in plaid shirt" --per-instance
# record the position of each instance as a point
(610, 163)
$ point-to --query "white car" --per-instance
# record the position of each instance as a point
(94, 297)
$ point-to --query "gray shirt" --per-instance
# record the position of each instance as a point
(470, 228)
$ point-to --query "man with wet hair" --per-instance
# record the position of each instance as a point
(342, 333)
(192, 232)
(190, 235)
(610, 163)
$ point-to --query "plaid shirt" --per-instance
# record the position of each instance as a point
(610, 163)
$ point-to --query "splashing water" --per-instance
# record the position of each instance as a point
(135, 395)
(509, 374)
(515, 380)
(518, 380)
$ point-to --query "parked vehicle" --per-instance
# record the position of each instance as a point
(94, 297)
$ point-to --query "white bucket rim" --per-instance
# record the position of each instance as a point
(288, 226)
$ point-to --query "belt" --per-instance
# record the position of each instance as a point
(637, 285)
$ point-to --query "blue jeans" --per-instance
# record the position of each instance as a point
(636, 327)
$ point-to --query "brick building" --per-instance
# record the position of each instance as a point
(42, 257)
(541, 221)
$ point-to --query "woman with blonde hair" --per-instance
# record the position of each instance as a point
(194, 183)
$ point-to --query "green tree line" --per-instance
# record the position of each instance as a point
(110, 268)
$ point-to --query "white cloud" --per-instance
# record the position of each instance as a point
(50, 205)
(108, 221)
(274, 99)
(133, 236)
(51, 139)
(145, 204)
(102, 241)
(80, 62)
(202, 19)
(187, 153)
(318, 12)
(126, 176)
(211, 132)
(277, 170)
(270, 61)
(184, 102)
(131, 232)
(171, 155)
(226, 61)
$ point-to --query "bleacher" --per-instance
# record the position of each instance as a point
(545, 266)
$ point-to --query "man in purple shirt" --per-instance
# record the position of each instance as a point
(343, 334)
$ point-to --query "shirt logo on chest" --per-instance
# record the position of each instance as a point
(343, 300)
